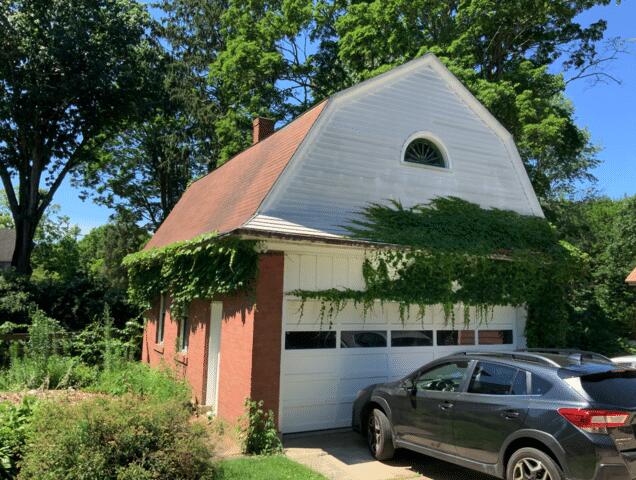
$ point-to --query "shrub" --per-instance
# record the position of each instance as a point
(138, 378)
(14, 420)
(257, 430)
(58, 372)
(121, 438)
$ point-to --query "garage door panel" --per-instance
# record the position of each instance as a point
(348, 388)
(404, 361)
(319, 385)
(316, 417)
(301, 392)
(304, 363)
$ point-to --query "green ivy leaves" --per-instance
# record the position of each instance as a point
(202, 268)
(452, 252)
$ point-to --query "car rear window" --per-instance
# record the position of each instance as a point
(614, 387)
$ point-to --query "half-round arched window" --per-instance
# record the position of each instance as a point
(424, 152)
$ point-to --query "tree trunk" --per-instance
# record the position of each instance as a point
(25, 232)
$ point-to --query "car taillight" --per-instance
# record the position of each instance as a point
(594, 421)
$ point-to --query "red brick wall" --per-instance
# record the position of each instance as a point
(267, 332)
(235, 374)
(250, 343)
(191, 365)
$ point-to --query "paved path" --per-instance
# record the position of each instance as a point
(343, 455)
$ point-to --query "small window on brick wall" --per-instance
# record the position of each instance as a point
(184, 334)
(161, 319)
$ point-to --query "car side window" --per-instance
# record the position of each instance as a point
(447, 377)
(540, 385)
(493, 379)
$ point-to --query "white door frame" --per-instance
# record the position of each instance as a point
(214, 355)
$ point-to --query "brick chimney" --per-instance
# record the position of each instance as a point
(261, 129)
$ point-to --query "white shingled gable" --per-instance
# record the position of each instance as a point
(353, 154)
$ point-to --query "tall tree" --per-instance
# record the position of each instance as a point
(267, 67)
(144, 169)
(69, 71)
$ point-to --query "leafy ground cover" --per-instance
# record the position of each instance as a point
(266, 468)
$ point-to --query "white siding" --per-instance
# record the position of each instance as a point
(352, 156)
(319, 386)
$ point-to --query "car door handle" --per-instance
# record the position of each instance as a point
(446, 405)
(510, 414)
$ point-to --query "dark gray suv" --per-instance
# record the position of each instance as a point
(532, 415)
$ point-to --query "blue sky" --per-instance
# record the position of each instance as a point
(607, 110)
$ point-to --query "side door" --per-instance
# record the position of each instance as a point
(494, 406)
(427, 419)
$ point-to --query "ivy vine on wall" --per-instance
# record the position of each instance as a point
(451, 252)
(202, 268)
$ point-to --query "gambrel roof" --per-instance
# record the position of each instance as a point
(311, 177)
(229, 196)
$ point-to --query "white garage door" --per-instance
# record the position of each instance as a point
(324, 366)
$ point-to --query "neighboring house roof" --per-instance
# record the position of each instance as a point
(631, 278)
(313, 176)
(7, 244)
(229, 196)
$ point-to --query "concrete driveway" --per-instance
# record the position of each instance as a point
(343, 455)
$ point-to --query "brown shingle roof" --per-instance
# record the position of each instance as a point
(631, 278)
(230, 195)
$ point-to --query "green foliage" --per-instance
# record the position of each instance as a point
(265, 67)
(257, 430)
(201, 268)
(59, 372)
(276, 467)
(71, 71)
(121, 438)
(453, 252)
(14, 422)
(601, 307)
(43, 363)
(102, 250)
(73, 280)
(153, 384)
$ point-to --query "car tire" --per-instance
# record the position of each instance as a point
(380, 436)
(532, 463)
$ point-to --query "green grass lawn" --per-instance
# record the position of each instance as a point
(276, 467)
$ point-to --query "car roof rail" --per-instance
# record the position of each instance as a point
(579, 356)
(522, 356)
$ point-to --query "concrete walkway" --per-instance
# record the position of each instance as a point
(343, 455)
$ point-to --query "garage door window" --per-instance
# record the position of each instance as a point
(455, 337)
(412, 338)
(363, 339)
(309, 340)
(495, 337)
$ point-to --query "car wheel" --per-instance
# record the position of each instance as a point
(532, 464)
(379, 436)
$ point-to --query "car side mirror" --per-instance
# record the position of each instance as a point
(409, 386)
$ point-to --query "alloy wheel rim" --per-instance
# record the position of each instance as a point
(530, 469)
(373, 434)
